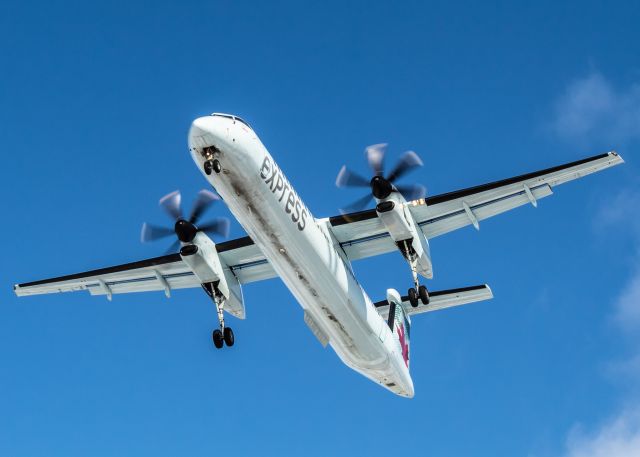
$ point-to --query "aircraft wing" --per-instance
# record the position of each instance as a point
(166, 273)
(441, 299)
(359, 234)
(362, 234)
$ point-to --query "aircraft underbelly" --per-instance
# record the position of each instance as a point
(304, 257)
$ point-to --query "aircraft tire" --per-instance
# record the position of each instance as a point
(208, 167)
(218, 339)
(229, 339)
(413, 297)
(424, 295)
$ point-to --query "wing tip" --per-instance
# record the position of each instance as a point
(18, 290)
(489, 290)
(614, 153)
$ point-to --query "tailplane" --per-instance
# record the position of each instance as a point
(397, 309)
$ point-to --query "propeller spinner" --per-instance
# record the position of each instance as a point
(381, 186)
(185, 229)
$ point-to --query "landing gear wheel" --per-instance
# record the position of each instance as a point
(413, 297)
(424, 295)
(216, 166)
(208, 167)
(218, 339)
(228, 336)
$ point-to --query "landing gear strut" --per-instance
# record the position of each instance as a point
(417, 293)
(223, 335)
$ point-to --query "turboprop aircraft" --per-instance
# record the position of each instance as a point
(313, 256)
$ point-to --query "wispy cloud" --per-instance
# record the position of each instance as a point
(620, 435)
(592, 108)
(615, 213)
(627, 307)
(618, 215)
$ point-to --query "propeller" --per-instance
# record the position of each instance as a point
(185, 228)
(381, 187)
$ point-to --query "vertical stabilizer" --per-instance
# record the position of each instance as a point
(399, 323)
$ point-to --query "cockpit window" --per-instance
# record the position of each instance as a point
(242, 120)
(229, 116)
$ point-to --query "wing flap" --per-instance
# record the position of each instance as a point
(453, 215)
(145, 283)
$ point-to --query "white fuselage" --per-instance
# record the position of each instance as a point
(301, 250)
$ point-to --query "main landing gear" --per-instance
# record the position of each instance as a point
(418, 293)
(223, 335)
(422, 295)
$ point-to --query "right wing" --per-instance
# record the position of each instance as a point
(362, 234)
(241, 255)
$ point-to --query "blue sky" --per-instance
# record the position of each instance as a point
(95, 103)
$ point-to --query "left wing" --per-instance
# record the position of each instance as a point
(362, 234)
(168, 272)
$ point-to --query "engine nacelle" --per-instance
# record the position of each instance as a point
(203, 259)
(403, 229)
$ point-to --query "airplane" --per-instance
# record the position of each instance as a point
(313, 256)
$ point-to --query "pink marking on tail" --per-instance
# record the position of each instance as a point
(403, 344)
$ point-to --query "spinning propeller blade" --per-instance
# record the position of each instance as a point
(408, 161)
(171, 204)
(173, 248)
(152, 232)
(185, 230)
(357, 205)
(348, 178)
(380, 186)
(218, 226)
(204, 199)
(375, 157)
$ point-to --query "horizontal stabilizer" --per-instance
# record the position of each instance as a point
(441, 299)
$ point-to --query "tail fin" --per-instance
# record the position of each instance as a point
(399, 323)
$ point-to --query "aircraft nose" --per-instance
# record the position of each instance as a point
(205, 131)
(200, 126)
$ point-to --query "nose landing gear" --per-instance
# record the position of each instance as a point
(212, 165)
(223, 335)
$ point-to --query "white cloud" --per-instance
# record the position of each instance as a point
(619, 437)
(593, 109)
